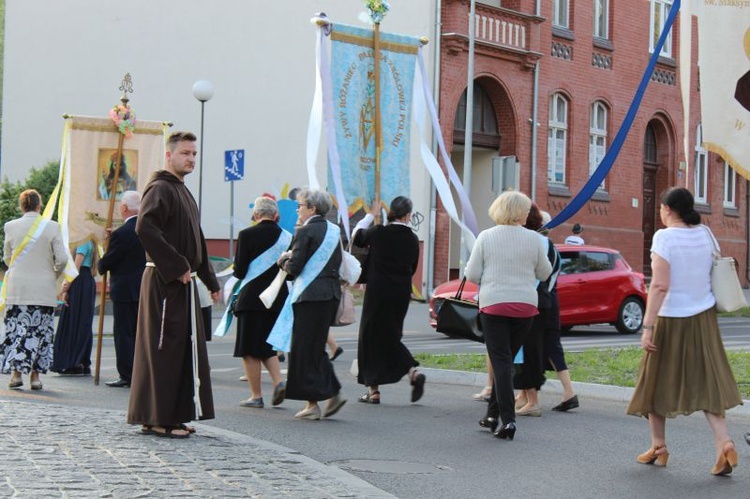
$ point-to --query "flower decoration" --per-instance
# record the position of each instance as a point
(124, 119)
(377, 9)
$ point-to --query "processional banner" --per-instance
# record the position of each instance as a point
(724, 43)
(88, 164)
(353, 95)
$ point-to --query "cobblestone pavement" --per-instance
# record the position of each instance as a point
(61, 451)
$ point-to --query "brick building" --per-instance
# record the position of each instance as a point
(583, 65)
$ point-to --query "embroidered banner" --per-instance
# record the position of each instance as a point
(353, 96)
(88, 162)
(724, 44)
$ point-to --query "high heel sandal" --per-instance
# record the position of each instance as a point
(507, 432)
(484, 395)
(727, 461)
(489, 422)
(657, 454)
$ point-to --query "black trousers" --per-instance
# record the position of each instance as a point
(126, 322)
(503, 337)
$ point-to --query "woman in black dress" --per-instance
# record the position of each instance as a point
(392, 261)
(254, 320)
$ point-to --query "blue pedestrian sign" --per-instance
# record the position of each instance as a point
(234, 165)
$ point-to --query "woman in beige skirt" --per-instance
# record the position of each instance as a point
(684, 367)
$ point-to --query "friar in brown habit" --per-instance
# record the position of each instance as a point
(162, 388)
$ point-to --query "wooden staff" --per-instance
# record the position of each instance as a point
(126, 86)
(378, 124)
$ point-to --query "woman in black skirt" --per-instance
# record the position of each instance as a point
(315, 300)
(254, 320)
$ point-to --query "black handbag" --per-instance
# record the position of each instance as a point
(460, 318)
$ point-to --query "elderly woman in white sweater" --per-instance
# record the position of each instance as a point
(507, 262)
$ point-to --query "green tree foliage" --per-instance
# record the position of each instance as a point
(42, 179)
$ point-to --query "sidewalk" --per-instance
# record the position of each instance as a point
(58, 451)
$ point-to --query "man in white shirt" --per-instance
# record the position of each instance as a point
(575, 238)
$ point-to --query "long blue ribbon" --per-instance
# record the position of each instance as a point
(260, 264)
(280, 337)
(605, 166)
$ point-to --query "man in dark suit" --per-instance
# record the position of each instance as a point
(125, 260)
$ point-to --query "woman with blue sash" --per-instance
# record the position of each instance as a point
(313, 262)
(258, 249)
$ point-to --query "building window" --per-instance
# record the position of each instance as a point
(597, 136)
(659, 13)
(601, 19)
(701, 168)
(730, 186)
(561, 14)
(557, 139)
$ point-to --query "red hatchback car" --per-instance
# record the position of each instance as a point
(596, 285)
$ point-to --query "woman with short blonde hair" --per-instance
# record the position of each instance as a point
(506, 262)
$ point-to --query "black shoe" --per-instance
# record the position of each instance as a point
(490, 423)
(336, 354)
(417, 387)
(86, 371)
(73, 371)
(507, 432)
(569, 404)
(747, 438)
(118, 383)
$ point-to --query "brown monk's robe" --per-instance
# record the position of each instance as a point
(161, 392)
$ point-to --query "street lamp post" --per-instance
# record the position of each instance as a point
(203, 90)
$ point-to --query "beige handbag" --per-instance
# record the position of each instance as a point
(345, 314)
(725, 283)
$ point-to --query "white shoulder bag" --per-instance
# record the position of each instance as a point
(725, 283)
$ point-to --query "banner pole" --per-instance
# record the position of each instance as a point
(126, 84)
(378, 128)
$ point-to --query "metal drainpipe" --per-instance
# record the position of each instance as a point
(534, 118)
(433, 192)
(469, 126)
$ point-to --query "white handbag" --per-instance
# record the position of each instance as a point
(350, 268)
(725, 283)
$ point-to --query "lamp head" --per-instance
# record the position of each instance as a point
(203, 90)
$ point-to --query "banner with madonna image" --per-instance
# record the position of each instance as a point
(88, 164)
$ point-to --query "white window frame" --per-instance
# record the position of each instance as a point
(557, 149)
(701, 168)
(561, 13)
(730, 186)
(601, 19)
(597, 136)
(660, 11)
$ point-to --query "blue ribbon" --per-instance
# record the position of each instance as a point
(260, 264)
(280, 337)
(609, 158)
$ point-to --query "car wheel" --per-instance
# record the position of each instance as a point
(630, 317)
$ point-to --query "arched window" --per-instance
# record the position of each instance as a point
(649, 146)
(597, 136)
(484, 120)
(557, 138)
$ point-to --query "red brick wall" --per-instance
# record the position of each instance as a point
(614, 222)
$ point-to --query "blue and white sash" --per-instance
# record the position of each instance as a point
(260, 264)
(280, 337)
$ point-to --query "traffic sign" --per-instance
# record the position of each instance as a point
(234, 165)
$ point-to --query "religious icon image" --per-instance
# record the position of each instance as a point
(126, 179)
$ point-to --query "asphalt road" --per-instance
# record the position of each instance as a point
(436, 449)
